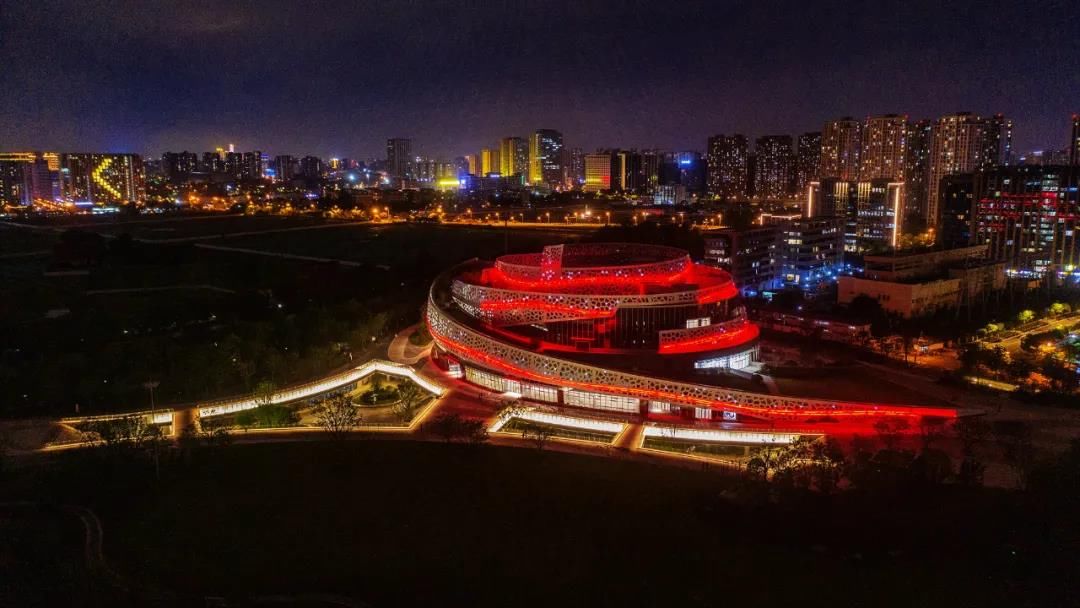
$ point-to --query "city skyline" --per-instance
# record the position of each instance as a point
(320, 87)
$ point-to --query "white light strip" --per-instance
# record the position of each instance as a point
(717, 435)
(328, 384)
(158, 417)
(586, 424)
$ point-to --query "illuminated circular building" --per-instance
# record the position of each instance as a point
(633, 328)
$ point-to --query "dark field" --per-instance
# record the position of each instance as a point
(404, 244)
(402, 523)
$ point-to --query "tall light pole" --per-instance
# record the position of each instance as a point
(150, 385)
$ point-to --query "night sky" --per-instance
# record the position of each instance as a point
(338, 78)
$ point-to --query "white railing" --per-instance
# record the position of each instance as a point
(304, 391)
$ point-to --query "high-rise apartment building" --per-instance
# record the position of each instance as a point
(284, 168)
(727, 166)
(178, 166)
(773, 177)
(807, 160)
(513, 156)
(546, 158)
(252, 166)
(841, 142)
(234, 164)
(102, 179)
(29, 176)
(997, 142)
(574, 167)
(15, 182)
(399, 157)
(311, 167)
(1074, 141)
(956, 146)
(212, 162)
(884, 144)
(489, 161)
(916, 174)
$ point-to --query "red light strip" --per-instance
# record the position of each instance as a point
(742, 335)
(658, 395)
(497, 306)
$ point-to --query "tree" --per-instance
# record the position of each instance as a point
(890, 430)
(970, 357)
(1025, 316)
(1020, 369)
(338, 416)
(124, 438)
(1014, 437)
(971, 431)
(410, 398)
(537, 433)
(1059, 308)
(931, 429)
(264, 392)
(447, 426)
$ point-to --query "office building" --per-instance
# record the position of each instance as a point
(669, 194)
(727, 166)
(957, 209)
(1029, 216)
(841, 142)
(871, 211)
(102, 179)
(629, 175)
(884, 145)
(811, 250)
(688, 170)
(956, 146)
(773, 172)
(546, 158)
(599, 168)
(399, 157)
(752, 256)
(917, 284)
(651, 163)
(807, 161)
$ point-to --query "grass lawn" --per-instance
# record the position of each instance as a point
(41, 558)
(402, 523)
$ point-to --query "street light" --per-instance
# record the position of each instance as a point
(150, 385)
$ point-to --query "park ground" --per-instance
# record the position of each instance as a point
(391, 523)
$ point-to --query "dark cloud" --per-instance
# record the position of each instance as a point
(340, 77)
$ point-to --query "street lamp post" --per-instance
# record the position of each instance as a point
(150, 385)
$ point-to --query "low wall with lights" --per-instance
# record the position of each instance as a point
(313, 389)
